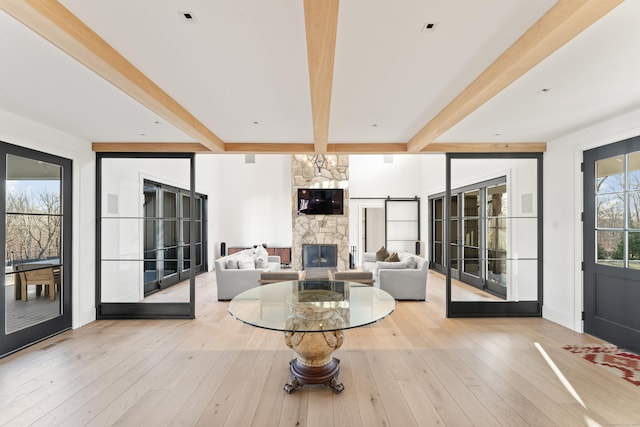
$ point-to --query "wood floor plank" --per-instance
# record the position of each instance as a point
(269, 409)
(370, 404)
(222, 401)
(344, 403)
(190, 412)
(441, 399)
(421, 407)
(463, 395)
(295, 408)
(395, 406)
(179, 394)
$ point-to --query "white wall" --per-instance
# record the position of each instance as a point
(562, 181)
(253, 203)
(19, 131)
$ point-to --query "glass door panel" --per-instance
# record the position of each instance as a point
(455, 233)
(496, 239)
(36, 290)
(437, 233)
(471, 237)
(33, 236)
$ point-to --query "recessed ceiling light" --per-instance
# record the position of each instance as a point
(142, 134)
(188, 17)
(256, 123)
(545, 90)
(158, 122)
(375, 125)
(428, 27)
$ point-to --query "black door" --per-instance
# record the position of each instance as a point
(612, 243)
(35, 217)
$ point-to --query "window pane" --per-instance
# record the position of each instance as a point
(633, 172)
(454, 206)
(634, 210)
(497, 234)
(610, 211)
(497, 200)
(454, 256)
(472, 203)
(437, 209)
(497, 268)
(610, 250)
(471, 232)
(471, 261)
(454, 231)
(610, 175)
(438, 231)
(634, 250)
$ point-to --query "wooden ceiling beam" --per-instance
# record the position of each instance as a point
(368, 148)
(321, 24)
(149, 147)
(485, 147)
(344, 148)
(267, 148)
(63, 29)
(564, 21)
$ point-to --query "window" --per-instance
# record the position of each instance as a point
(617, 205)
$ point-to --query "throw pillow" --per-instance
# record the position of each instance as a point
(231, 264)
(411, 262)
(392, 258)
(245, 263)
(262, 261)
(381, 254)
(260, 250)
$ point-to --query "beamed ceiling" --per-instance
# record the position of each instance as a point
(324, 76)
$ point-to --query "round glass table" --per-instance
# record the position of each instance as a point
(313, 315)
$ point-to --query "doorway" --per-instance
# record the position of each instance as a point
(373, 228)
(36, 230)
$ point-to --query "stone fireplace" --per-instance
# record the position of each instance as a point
(322, 230)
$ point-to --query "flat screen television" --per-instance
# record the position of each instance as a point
(320, 201)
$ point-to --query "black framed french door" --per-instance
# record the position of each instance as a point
(167, 235)
(35, 215)
(611, 232)
(478, 235)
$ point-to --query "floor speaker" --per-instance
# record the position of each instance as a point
(223, 249)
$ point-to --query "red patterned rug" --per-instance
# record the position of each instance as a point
(622, 363)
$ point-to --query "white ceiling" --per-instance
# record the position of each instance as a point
(245, 61)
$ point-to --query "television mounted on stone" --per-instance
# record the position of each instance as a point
(320, 201)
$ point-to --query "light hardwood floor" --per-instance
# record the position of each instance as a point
(413, 368)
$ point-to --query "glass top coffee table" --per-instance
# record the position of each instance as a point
(313, 315)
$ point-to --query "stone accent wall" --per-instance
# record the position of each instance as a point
(320, 228)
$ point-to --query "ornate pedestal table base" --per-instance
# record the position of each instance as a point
(314, 363)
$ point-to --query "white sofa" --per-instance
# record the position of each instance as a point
(404, 280)
(240, 271)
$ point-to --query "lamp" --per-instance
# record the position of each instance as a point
(319, 161)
